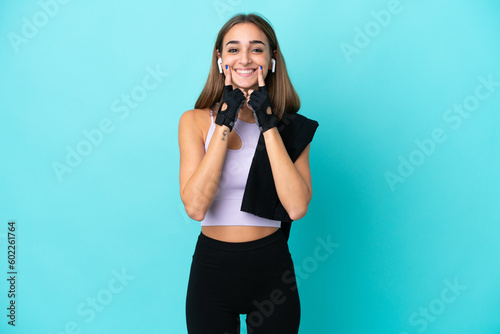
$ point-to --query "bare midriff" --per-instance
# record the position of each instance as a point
(237, 233)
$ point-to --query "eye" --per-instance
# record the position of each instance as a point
(232, 50)
(258, 50)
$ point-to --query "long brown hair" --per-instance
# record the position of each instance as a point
(284, 98)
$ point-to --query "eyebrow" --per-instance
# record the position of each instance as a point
(251, 42)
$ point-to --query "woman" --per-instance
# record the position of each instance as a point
(241, 264)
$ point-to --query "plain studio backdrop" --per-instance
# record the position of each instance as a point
(402, 231)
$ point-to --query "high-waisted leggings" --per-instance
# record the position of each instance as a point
(256, 278)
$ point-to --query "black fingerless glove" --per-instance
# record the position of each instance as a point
(233, 99)
(259, 101)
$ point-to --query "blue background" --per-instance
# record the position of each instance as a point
(377, 88)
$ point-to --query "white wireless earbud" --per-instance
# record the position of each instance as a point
(274, 65)
(219, 62)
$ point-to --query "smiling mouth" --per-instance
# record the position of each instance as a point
(246, 71)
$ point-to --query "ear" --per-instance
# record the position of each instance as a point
(272, 57)
(218, 54)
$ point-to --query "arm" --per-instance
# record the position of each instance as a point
(199, 173)
(292, 180)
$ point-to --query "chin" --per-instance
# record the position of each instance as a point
(246, 85)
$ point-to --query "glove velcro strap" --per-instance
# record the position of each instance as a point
(271, 122)
(221, 120)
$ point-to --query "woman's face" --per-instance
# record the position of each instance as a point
(244, 48)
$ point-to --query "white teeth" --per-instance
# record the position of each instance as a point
(242, 71)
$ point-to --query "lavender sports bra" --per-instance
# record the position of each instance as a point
(225, 209)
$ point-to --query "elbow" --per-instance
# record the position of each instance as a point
(194, 214)
(298, 211)
(193, 211)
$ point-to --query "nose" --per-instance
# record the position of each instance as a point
(244, 58)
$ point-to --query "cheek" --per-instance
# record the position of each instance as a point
(231, 62)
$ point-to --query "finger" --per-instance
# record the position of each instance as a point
(245, 98)
(228, 76)
(249, 93)
(261, 77)
(244, 91)
(240, 93)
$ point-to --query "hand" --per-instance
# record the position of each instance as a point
(260, 103)
(232, 101)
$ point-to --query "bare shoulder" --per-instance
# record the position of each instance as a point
(200, 116)
(190, 116)
(194, 122)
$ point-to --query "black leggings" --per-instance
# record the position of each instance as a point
(255, 278)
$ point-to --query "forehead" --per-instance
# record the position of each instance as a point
(244, 32)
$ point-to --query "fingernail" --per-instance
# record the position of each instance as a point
(261, 67)
(226, 67)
